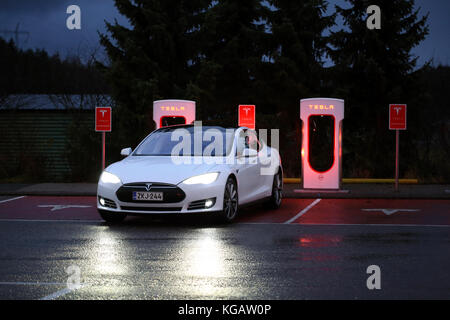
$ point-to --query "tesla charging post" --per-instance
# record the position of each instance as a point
(103, 124)
(247, 116)
(173, 112)
(397, 121)
(321, 142)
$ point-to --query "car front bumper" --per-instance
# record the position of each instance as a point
(193, 193)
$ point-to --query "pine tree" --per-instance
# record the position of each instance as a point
(293, 68)
(298, 46)
(231, 53)
(372, 69)
(151, 60)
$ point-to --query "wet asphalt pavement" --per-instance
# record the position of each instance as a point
(148, 259)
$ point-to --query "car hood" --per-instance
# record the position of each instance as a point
(156, 169)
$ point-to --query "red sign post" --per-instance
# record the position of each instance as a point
(397, 122)
(247, 116)
(103, 124)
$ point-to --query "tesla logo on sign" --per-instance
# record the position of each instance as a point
(397, 117)
(247, 116)
(103, 119)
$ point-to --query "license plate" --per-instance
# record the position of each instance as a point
(147, 196)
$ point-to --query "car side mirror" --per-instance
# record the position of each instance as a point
(249, 153)
(126, 152)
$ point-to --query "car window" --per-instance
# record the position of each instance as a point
(247, 140)
(253, 142)
(214, 141)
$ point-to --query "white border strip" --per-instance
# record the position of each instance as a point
(379, 225)
(260, 223)
(303, 211)
(349, 224)
(263, 223)
(17, 198)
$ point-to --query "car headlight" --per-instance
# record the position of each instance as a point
(107, 177)
(206, 178)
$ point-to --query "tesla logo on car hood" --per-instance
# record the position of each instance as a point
(148, 186)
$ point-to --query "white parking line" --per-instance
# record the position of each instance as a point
(349, 224)
(40, 220)
(20, 283)
(17, 198)
(60, 293)
(52, 296)
(61, 206)
(303, 211)
(57, 294)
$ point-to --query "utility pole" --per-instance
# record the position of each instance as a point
(16, 34)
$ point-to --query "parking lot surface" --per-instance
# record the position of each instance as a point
(308, 249)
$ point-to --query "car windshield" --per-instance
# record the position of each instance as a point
(187, 141)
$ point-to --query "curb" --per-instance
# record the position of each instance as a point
(290, 195)
(372, 189)
(49, 193)
(286, 195)
(360, 181)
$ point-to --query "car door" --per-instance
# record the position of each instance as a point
(266, 169)
(248, 166)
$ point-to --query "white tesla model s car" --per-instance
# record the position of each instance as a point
(191, 169)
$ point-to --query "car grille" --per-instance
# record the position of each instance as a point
(171, 193)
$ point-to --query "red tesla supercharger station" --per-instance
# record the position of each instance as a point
(173, 112)
(103, 122)
(321, 143)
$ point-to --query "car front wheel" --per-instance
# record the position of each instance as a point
(230, 201)
(112, 217)
(277, 191)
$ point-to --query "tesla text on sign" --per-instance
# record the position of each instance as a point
(247, 116)
(103, 119)
(397, 117)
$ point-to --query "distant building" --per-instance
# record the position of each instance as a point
(34, 134)
(54, 101)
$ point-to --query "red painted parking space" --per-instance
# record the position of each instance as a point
(261, 214)
(50, 208)
(327, 211)
(379, 211)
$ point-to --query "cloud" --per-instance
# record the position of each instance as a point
(29, 6)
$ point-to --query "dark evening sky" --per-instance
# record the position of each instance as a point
(46, 22)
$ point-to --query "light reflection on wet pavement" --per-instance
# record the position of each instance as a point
(147, 259)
